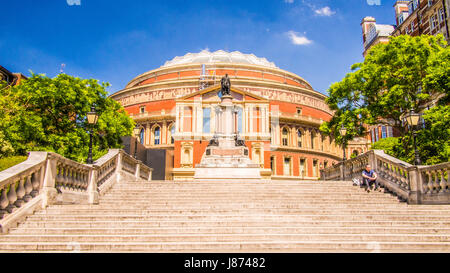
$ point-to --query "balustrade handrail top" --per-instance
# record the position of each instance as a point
(107, 157)
(394, 160)
(34, 161)
(69, 162)
(434, 167)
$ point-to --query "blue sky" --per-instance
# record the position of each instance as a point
(114, 41)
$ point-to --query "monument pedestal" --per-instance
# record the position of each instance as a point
(224, 159)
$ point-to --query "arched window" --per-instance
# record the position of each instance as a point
(313, 139)
(142, 136)
(299, 138)
(157, 136)
(285, 137)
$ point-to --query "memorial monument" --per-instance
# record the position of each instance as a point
(227, 156)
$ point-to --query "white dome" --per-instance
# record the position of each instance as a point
(220, 56)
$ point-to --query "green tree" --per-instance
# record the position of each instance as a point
(50, 114)
(407, 73)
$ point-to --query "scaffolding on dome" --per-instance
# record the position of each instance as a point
(207, 77)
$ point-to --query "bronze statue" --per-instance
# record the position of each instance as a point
(214, 141)
(238, 142)
(226, 85)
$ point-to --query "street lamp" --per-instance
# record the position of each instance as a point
(92, 118)
(136, 132)
(343, 132)
(413, 119)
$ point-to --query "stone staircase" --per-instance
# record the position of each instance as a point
(275, 216)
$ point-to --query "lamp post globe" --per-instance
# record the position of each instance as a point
(136, 132)
(92, 118)
(343, 132)
(413, 119)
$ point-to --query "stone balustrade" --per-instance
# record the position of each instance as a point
(48, 178)
(414, 184)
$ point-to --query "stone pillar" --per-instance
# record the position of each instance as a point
(416, 186)
(92, 186)
(251, 119)
(138, 170)
(49, 190)
(148, 134)
(227, 115)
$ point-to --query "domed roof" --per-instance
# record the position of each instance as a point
(220, 56)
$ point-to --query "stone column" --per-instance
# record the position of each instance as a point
(164, 133)
(92, 186)
(148, 134)
(251, 119)
(227, 115)
(49, 190)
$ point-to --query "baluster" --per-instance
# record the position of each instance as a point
(85, 181)
(448, 181)
(35, 183)
(430, 182)
(12, 197)
(436, 182)
(65, 180)
(76, 183)
(28, 189)
(442, 181)
(4, 202)
(20, 194)
(425, 182)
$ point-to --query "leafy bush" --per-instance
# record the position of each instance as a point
(8, 162)
(49, 114)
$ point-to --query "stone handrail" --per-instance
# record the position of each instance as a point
(48, 178)
(414, 184)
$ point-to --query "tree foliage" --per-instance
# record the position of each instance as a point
(50, 115)
(407, 73)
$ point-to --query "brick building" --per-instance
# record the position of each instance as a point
(11, 78)
(279, 114)
(412, 17)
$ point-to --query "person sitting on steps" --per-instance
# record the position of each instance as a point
(369, 178)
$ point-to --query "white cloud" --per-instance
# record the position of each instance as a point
(326, 11)
(297, 39)
(289, 1)
(74, 2)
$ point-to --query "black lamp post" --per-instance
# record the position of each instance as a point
(413, 119)
(136, 131)
(343, 132)
(92, 118)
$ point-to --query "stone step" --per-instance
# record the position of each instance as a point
(246, 211)
(230, 230)
(44, 238)
(231, 247)
(224, 223)
(233, 217)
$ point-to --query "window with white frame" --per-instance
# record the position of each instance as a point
(441, 15)
(415, 4)
(157, 135)
(433, 22)
(430, 3)
(285, 137)
(410, 7)
(412, 26)
(206, 120)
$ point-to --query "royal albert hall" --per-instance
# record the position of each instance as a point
(278, 114)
